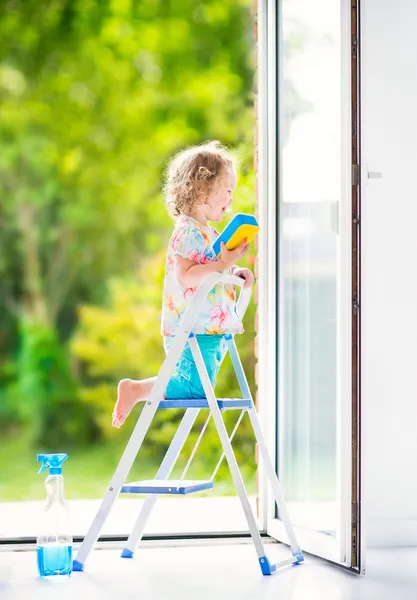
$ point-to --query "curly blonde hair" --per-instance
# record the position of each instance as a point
(193, 174)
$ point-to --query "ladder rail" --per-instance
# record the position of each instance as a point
(224, 438)
(273, 480)
(217, 467)
(131, 451)
(269, 467)
(118, 479)
(187, 466)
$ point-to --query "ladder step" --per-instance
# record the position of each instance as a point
(163, 486)
(224, 403)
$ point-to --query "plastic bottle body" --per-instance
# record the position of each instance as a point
(54, 543)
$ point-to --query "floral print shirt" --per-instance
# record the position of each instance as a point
(193, 240)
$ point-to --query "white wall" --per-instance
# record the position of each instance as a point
(389, 270)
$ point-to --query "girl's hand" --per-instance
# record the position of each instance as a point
(245, 274)
(230, 257)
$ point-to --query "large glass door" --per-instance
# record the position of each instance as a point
(310, 194)
(310, 203)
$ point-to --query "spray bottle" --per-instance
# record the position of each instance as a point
(54, 544)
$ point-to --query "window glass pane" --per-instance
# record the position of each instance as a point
(310, 186)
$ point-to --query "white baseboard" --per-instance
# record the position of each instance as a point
(381, 533)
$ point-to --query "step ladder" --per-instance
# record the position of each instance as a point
(216, 406)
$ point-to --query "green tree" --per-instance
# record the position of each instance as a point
(94, 97)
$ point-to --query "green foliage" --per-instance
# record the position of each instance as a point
(94, 98)
(46, 394)
(121, 339)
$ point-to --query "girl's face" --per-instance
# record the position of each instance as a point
(221, 199)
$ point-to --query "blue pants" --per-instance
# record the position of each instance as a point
(185, 381)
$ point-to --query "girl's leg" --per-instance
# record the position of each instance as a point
(129, 392)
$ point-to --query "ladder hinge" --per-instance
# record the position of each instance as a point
(355, 174)
(355, 218)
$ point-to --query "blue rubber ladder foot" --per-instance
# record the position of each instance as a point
(77, 566)
(126, 553)
(298, 555)
(266, 567)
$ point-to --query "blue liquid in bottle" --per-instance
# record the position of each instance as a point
(54, 560)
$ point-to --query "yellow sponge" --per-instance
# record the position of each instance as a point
(240, 227)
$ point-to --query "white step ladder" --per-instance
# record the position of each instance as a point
(161, 484)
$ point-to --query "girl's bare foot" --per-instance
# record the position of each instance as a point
(128, 394)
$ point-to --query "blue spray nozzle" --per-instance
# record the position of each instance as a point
(53, 462)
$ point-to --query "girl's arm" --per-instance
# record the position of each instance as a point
(190, 274)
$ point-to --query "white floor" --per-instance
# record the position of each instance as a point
(228, 572)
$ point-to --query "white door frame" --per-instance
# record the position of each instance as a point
(336, 549)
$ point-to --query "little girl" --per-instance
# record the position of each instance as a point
(199, 186)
